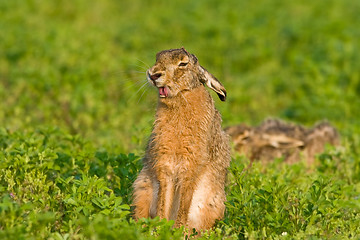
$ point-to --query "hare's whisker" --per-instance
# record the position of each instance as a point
(145, 89)
(146, 65)
(144, 68)
(138, 90)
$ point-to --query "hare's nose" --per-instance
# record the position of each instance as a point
(155, 76)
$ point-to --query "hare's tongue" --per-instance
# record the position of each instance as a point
(163, 91)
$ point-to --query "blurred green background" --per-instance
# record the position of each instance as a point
(80, 66)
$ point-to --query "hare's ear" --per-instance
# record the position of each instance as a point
(213, 83)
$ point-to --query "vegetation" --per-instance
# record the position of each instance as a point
(75, 112)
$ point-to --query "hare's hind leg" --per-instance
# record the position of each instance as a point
(145, 195)
(207, 205)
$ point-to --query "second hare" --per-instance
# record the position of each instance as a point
(188, 153)
(274, 138)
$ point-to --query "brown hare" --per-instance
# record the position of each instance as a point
(275, 139)
(188, 153)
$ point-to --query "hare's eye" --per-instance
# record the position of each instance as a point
(183, 64)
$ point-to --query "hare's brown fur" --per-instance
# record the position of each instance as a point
(188, 153)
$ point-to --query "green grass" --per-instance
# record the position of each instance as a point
(74, 117)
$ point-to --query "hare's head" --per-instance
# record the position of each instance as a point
(177, 71)
(323, 132)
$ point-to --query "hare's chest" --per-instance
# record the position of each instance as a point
(180, 144)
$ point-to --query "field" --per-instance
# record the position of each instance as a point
(76, 112)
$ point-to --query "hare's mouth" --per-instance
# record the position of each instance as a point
(163, 91)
